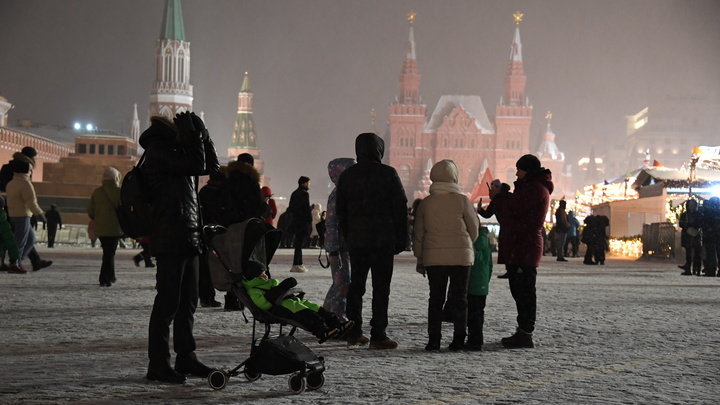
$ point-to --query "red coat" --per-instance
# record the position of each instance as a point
(523, 215)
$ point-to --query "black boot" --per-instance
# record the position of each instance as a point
(520, 339)
(231, 302)
(37, 262)
(457, 344)
(433, 343)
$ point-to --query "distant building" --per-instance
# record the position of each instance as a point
(460, 129)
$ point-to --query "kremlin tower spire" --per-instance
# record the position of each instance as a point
(244, 138)
(515, 78)
(135, 130)
(407, 120)
(171, 92)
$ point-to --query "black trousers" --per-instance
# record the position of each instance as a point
(362, 262)
(206, 290)
(51, 232)
(298, 241)
(476, 318)
(107, 268)
(438, 277)
(175, 302)
(522, 287)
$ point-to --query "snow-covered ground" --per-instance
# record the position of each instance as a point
(627, 332)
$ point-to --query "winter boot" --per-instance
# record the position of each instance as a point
(474, 343)
(433, 343)
(520, 339)
(37, 262)
(232, 303)
(457, 344)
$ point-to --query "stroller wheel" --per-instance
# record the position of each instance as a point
(218, 379)
(252, 375)
(296, 382)
(315, 381)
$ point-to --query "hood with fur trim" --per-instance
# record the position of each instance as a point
(244, 168)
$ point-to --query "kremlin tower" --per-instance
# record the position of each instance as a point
(244, 138)
(172, 92)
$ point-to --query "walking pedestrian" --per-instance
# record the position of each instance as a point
(54, 222)
(102, 209)
(691, 238)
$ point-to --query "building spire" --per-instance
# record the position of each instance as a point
(172, 27)
(172, 92)
(135, 131)
(515, 78)
(243, 136)
(245, 88)
(410, 75)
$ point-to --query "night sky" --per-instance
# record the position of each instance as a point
(317, 67)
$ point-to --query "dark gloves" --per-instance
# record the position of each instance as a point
(279, 290)
(186, 126)
(200, 126)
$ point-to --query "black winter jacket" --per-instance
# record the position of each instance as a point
(172, 165)
(371, 202)
(301, 211)
(241, 194)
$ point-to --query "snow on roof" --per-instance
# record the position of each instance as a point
(675, 174)
(472, 104)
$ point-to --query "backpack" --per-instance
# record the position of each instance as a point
(135, 210)
(6, 174)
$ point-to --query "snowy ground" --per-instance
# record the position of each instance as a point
(627, 332)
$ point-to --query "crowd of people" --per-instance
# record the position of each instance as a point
(366, 223)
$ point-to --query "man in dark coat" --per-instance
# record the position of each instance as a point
(301, 211)
(711, 235)
(372, 210)
(521, 247)
(691, 238)
(175, 155)
(54, 222)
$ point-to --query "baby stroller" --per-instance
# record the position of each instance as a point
(279, 354)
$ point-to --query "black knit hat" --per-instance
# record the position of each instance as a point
(253, 269)
(29, 151)
(20, 166)
(528, 163)
(246, 158)
(303, 180)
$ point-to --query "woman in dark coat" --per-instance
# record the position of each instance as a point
(521, 245)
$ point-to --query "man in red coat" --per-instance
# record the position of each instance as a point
(521, 245)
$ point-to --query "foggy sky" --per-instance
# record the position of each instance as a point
(317, 67)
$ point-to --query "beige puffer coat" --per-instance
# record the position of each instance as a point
(446, 224)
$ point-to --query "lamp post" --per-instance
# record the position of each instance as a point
(693, 166)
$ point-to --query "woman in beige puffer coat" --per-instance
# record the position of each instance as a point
(446, 225)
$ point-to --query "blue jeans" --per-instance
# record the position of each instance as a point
(24, 235)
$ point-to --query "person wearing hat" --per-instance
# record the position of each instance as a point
(101, 209)
(27, 154)
(54, 222)
(521, 242)
(22, 205)
(301, 211)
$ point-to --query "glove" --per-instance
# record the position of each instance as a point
(186, 127)
(335, 262)
(279, 290)
(200, 126)
(420, 268)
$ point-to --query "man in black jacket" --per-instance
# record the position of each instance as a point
(175, 155)
(372, 209)
(301, 211)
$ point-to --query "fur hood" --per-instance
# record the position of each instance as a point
(243, 168)
(20, 156)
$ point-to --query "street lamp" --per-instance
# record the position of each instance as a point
(693, 166)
